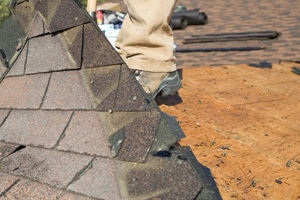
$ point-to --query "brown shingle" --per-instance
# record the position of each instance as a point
(23, 92)
(67, 15)
(160, 178)
(139, 136)
(102, 83)
(66, 91)
(85, 134)
(7, 149)
(47, 53)
(37, 27)
(99, 182)
(97, 50)
(34, 127)
(6, 182)
(18, 66)
(46, 166)
(130, 97)
(25, 189)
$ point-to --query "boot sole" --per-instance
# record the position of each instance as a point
(169, 85)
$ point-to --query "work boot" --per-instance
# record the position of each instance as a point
(154, 83)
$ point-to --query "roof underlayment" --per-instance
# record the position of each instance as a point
(74, 122)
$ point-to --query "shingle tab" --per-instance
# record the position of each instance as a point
(46, 166)
(7, 149)
(3, 115)
(37, 28)
(42, 7)
(18, 66)
(50, 57)
(10, 33)
(6, 182)
(34, 127)
(73, 40)
(99, 182)
(139, 136)
(24, 14)
(25, 189)
(97, 50)
(102, 83)
(67, 15)
(85, 134)
(23, 92)
(164, 138)
(72, 95)
(160, 178)
(130, 97)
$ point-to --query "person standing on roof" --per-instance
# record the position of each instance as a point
(145, 42)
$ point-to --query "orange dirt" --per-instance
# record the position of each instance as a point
(256, 114)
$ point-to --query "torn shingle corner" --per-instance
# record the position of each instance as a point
(115, 142)
(8, 149)
(89, 129)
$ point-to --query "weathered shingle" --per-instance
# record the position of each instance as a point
(74, 122)
(24, 92)
(47, 166)
(34, 127)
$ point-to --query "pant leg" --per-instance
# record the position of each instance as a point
(145, 41)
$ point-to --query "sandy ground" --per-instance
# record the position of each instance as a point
(243, 123)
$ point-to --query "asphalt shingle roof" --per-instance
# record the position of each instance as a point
(74, 122)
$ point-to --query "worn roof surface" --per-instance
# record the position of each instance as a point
(74, 122)
(234, 16)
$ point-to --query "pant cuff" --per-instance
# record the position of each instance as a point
(150, 65)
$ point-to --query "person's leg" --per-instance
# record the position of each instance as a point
(145, 41)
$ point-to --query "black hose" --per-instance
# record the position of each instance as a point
(221, 49)
(178, 22)
(225, 37)
(296, 70)
(194, 17)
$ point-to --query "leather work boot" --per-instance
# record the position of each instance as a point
(154, 83)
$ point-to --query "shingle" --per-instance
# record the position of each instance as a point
(73, 39)
(102, 83)
(47, 53)
(6, 182)
(42, 7)
(139, 136)
(71, 196)
(10, 33)
(67, 91)
(130, 97)
(18, 66)
(7, 149)
(97, 49)
(34, 127)
(164, 138)
(112, 122)
(85, 135)
(26, 189)
(37, 27)
(47, 166)
(160, 178)
(100, 181)
(3, 115)
(67, 15)
(24, 14)
(23, 92)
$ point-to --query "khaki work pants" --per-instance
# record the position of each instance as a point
(145, 41)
